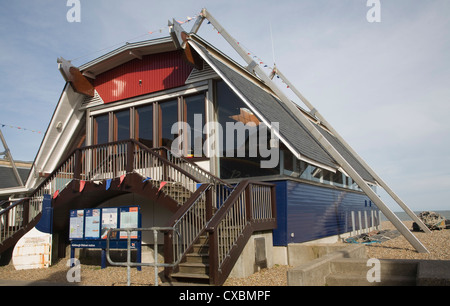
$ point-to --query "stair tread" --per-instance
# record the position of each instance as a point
(190, 275)
(194, 264)
(198, 254)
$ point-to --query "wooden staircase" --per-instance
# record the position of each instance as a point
(213, 220)
(195, 267)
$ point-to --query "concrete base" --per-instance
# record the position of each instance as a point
(433, 273)
(253, 257)
(315, 262)
(320, 265)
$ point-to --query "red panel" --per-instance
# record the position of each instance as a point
(156, 72)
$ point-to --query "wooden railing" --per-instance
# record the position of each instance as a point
(251, 207)
(98, 162)
(12, 219)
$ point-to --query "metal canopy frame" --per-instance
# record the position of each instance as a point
(183, 39)
(7, 154)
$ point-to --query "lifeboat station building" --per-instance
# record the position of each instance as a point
(178, 132)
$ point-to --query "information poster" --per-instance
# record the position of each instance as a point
(129, 217)
(92, 224)
(76, 229)
(109, 220)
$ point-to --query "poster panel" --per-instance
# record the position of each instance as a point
(129, 218)
(92, 224)
(76, 227)
(109, 220)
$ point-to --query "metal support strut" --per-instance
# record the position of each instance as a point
(341, 161)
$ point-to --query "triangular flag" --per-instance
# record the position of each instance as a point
(55, 194)
(162, 185)
(122, 177)
(108, 183)
(82, 184)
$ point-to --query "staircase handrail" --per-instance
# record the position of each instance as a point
(234, 222)
(206, 174)
(192, 218)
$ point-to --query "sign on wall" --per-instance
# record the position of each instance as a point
(76, 224)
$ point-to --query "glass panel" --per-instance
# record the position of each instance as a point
(144, 125)
(240, 155)
(101, 127)
(168, 116)
(195, 109)
(122, 125)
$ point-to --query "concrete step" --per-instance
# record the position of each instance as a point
(387, 267)
(358, 280)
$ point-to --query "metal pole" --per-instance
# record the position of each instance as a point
(10, 158)
(128, 257)
(155, 241)
(315, 112)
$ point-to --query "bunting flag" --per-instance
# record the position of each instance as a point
(82, 184)
(19, 128)
(161, 186)
(122, 177)
(108, 184)
(147, 179)
(55, 195)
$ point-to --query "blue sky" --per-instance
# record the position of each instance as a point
(384, 86)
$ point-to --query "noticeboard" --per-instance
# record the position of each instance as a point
(89, 229)
(93, 224)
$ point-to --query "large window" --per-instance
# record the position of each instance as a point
(240, 147)
(168, 115)
(144, 125)
(101, 129)
(122, 125)
(195, 117)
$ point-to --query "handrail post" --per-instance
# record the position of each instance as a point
(209, 202)
(273, 200)
(248, 202)
(168, 252)
(77, 167)
(130, 156)
(213, 257)
(25, 212)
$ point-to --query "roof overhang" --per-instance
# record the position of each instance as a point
(125, 54)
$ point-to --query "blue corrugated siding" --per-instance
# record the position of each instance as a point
(312, 212)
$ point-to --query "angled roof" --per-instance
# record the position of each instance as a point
(292, 132)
